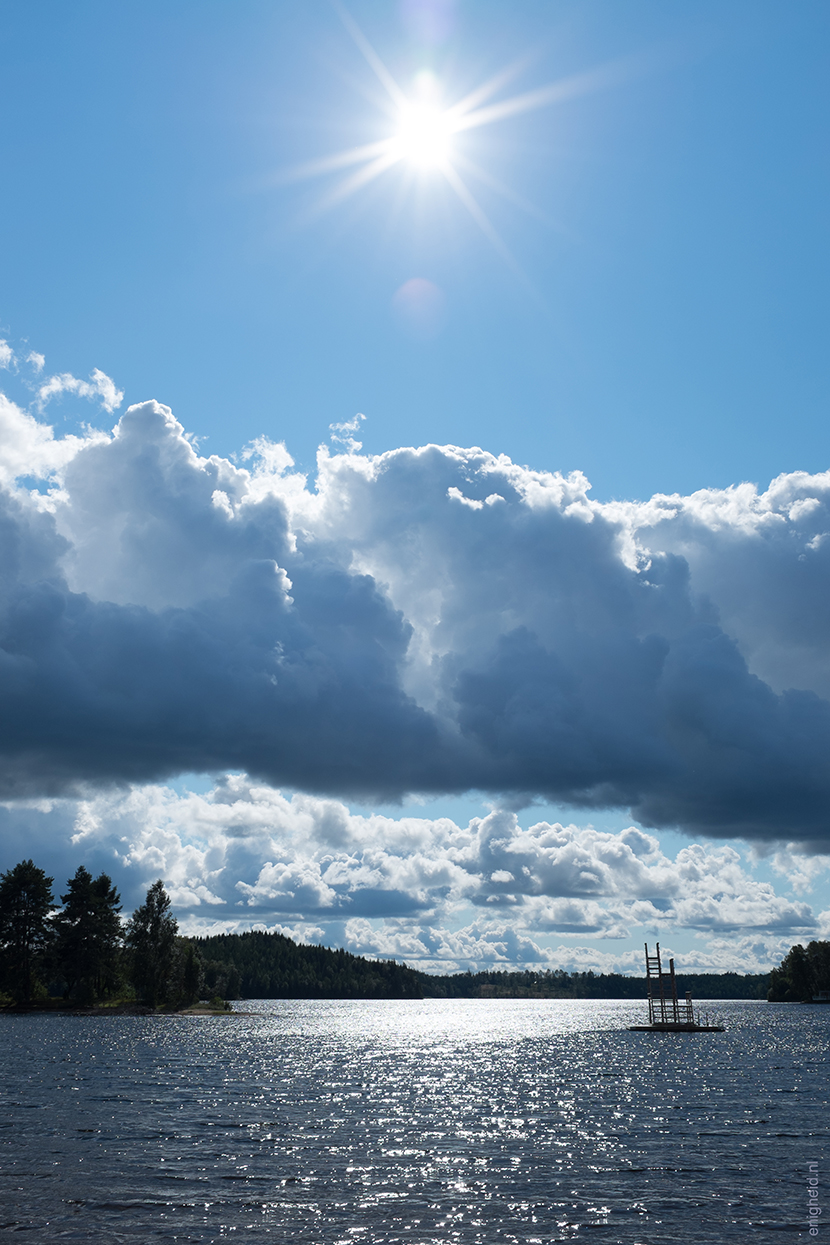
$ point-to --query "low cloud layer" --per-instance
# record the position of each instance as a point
(428, 620)
(430, 892)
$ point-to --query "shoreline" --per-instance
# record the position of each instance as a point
(58, 1007)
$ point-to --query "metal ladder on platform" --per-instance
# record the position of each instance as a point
(663, 1004)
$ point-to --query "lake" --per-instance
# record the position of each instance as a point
(421, 1122)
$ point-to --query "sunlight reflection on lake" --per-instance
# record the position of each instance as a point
(442, 1120)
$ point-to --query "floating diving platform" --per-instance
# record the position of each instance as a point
(666, 1013)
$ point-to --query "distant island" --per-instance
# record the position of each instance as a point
(85, 956)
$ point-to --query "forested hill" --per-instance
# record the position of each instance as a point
(272, 966)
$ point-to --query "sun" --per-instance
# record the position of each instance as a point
(424, 131)
(423, 135)
(424, 128)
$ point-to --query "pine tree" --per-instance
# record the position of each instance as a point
(25, 901)
(151, 938)
(89, 936)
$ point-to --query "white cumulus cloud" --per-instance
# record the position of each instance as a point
(244, 854)
(427, 620)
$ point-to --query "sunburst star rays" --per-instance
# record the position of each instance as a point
(423, 130)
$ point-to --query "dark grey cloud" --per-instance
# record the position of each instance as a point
(432, 620)
(95, 692)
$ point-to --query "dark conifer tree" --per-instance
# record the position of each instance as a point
(233, 982)
(192, 976)
(25, 901)
(796, 967)
(802, 974)
(818, 954)
(89, 936)
(151, 939)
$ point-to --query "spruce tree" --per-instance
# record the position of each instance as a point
(89, 936)
(151, 939)
(25, 901)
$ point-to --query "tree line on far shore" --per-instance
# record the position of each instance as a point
(271, 966)
(557, 984)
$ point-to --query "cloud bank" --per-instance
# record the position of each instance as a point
(428, 620)
(427, 891)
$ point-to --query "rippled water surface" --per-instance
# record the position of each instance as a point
(423, 1122)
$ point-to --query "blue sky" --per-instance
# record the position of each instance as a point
(643, 301)
(676, 338)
